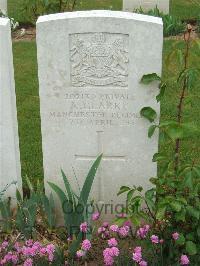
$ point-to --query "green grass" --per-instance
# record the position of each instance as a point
(26, 83)
(28, 104)
(185, 9)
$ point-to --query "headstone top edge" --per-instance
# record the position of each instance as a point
(100, 13)
(4, 21)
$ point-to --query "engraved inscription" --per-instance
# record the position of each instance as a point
(99, 59)
(97, 109)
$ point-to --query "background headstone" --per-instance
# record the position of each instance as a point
(10, 169)
(90, 66)
(130, 5)
(3, 6)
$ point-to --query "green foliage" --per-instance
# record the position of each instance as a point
(30, 207)
(149, 113)
(147, 79)
(27, 212)
(6, 216)
(35, 8)
(72, 204)
(174, 201)
(48, 206)
(5, 209)
(172, 25)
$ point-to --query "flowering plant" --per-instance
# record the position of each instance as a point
(27, 254)
(174, 201)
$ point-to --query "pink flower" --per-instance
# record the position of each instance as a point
(43, 251)
(80, 253)
(137, 257)
(137, 254)
(8, 256)
(123, 231)
(101, 230)
(3, 261)
(28, 262)
(50, 248)
(184, 260)
(107, 252)
(143, 231)
(95, 216)
(137, 249)
(105, 224)
(114, 228)
(122, 215)
(29, 242)
(28, 251)
(143, 263)
(108, 255)
(175, 236)
(14, 259)
(146, 227)
(106, 234)
(161, 241)
(154, 239)
(108, 260)
(17, 247)
(112, 242)
(114, 252)
(86, 245)
(4, 244)
(84, 227)
(50, 257)
(37, 245)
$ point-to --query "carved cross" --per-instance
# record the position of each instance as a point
(104, 158)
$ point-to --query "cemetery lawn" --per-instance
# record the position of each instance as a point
(185, 9)
(26, 83)
(28, 106)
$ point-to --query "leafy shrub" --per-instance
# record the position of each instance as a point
(174, 201)
(35, 8)
(171, 25)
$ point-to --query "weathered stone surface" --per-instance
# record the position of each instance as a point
(130, 5)
(90, 66)
(10, 169)
(3, 6)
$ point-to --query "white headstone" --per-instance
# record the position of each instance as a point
(130, 5)
(10, 169)
(3, 6)
(90, 66)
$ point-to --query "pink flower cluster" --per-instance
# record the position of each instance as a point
(105, 231)
(25, 254)
(184, 260)
(85, 246)
(84, 227)
(109, 255)
(137, 256)
(175, 236)
(143, 231)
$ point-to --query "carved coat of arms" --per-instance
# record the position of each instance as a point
(99, 59)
